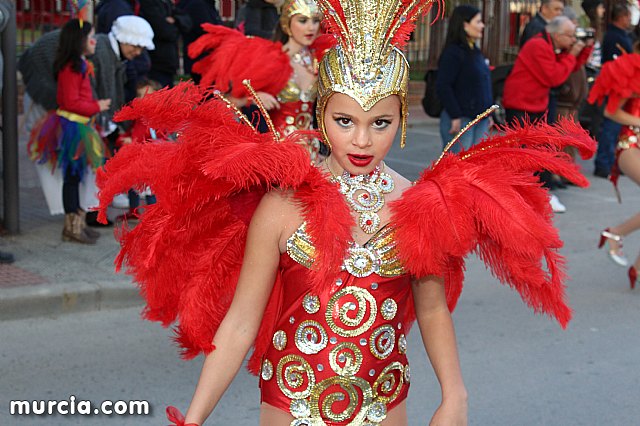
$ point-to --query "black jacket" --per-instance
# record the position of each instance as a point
(200, 12)
(535, 26)
(164, 58)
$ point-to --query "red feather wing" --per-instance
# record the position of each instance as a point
(487, 200)
(186, 251)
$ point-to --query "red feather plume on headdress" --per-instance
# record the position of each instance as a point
(399, 30)
(619, 79)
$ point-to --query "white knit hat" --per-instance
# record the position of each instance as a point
(134, 30)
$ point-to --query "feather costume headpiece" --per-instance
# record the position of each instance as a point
(367, 64)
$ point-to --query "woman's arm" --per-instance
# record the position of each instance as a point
(438, 336)
(623, 117)
(239, 327)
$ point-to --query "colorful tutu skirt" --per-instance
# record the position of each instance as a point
(67, 141)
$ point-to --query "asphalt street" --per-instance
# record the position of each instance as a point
(519, 368)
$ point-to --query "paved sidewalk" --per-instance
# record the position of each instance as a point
(51, 277)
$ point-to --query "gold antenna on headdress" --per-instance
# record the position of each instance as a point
(263, 110)
(235, 109)
(472, 123)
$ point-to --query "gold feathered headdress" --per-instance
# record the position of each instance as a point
(367, 64)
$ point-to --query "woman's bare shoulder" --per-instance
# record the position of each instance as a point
(278, 212)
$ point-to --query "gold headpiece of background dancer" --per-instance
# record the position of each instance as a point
(367, 64)
(306, 8)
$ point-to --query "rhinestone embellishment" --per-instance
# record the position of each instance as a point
(299, 408)
(388, 309)
(377, 412)
(280, 340)
(267, 370)
(311, 303)
(365, 195)
(402, 344)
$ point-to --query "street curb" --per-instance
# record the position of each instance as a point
(53, 299)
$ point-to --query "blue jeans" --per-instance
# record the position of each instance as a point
(607, 140)
(467, 140)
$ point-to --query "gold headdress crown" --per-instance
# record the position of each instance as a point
(367, 63)
(307, 8)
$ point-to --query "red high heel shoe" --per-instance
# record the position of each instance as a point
(616, 255)
(633, 277)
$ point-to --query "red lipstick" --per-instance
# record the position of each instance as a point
(360, 160)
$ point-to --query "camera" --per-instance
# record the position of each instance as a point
(584, 34)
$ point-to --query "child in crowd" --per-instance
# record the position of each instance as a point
(140, 133)
(66, 138)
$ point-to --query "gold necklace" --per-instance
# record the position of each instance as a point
(365, 194)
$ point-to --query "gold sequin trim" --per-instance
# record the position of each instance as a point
(388, 385)
(379, 255)
(348, 389)
(300, 248)
(290, 375)
(364, 304)
(382, 341)
(311, 337)
(345, 359)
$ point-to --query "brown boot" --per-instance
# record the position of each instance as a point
(74, 230)
(90, 232)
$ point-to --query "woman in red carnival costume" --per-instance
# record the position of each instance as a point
(284, 74)
(323, 269)
(619, 81)
(66, 138)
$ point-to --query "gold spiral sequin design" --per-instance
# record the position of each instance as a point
(290, 375)
(382, 341)
(311, 337)
(388, 385)
(357, 390)
(345, 359)
(358, 323)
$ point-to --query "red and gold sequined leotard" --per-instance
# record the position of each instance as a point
(629, 134)
(339, 358)
(296, 111)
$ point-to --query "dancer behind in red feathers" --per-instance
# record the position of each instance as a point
(324, 269)
(619, 80)
(284, 73)
(66, 137)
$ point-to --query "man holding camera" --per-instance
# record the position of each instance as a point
(545, 61)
